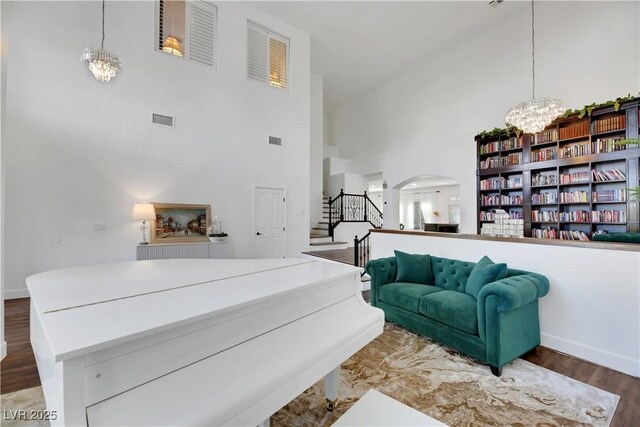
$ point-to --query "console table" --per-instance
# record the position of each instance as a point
(214, 250)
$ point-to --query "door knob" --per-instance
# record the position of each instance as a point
(258, 234)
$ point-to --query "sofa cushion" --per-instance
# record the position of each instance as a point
(452, 308)
(484, 272)
(405, 295)
(451, 274)
(413, 268)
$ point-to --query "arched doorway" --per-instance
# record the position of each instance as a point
(428, 200)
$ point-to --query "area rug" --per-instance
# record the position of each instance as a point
(437, 381)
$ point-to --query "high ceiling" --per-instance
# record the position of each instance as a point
(360, 45)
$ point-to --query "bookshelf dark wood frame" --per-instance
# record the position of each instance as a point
(630, 156)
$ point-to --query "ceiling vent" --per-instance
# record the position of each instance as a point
(159, 119)
(274, 140)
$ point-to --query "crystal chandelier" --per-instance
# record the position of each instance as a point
(103, 64)
(533, 115)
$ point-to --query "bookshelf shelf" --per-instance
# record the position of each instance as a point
(597, 137)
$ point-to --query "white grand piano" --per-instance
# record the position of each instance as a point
(193, 342)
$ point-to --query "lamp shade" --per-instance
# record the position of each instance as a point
(144, 211)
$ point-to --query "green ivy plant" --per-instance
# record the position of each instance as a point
(588, 109)
(633, 191)
(497, 132)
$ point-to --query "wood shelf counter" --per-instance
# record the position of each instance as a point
(633, 247)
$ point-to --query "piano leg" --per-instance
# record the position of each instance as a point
(331, 385)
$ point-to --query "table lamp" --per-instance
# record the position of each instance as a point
(145, 212)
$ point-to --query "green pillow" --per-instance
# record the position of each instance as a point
(414, 268)
(484, 272)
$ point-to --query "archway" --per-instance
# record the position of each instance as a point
(425, 201)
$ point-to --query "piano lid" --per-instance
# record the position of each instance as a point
(96, 307)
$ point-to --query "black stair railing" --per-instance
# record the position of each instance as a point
(353, 208)
(361, 251)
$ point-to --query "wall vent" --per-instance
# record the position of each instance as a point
(274, 140)
(159, 119)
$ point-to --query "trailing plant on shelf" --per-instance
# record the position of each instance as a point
(633, 191)
(588, 109)
(214, 231)
(496, 132)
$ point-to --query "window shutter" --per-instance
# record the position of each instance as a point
(278, 62)
(257, 53)
(267, 56)
(203, 33)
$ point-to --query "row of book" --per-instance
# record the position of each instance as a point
(495, 146)
(608, 175)
(574, 197)
(610, 216)
(544, 216)
(544, 154)
(606, 216)
(542, 198)
(543, 137)
(501, 183)
(609, 124)
(619, 195)
(552, 233)
(574, 177)
(575, 131)
(508, 160)
(491, 216)
(607, 145)
(574, 150)
(541, 179)
(494, 200)
(574, 216)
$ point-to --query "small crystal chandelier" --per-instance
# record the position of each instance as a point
(533, 115)
(103, 64)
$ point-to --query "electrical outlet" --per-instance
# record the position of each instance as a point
(99, 227)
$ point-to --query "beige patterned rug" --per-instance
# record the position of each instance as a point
(437, 381)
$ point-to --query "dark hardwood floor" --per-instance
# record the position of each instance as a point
(19, 371)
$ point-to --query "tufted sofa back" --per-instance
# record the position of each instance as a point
(451, 274)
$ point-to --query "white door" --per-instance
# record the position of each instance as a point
(269, 220)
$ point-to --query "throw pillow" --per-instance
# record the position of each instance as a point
(484, 272)
(414, 268)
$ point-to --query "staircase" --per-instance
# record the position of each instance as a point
(319, 238)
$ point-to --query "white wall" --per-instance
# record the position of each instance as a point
(3, 104)
(79, 152)
(592, 308)
(424, 122)
(316, 150)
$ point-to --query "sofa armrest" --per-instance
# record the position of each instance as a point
(382, 272)
(508, 295)
(514, 291)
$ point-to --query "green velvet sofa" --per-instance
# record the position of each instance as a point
(490, 314)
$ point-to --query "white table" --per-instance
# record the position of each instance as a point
(376, 409)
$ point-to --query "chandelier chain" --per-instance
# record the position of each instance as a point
(102, 43)
(533, 50)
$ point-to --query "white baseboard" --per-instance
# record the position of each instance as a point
(592, 354)
(16, 293)
(3, 350)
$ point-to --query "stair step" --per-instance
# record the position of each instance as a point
(315, 235)
(327, 243)
(320, 228)
(323, 222)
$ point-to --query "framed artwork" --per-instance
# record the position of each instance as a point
(180, 223)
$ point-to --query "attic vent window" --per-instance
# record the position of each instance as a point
(188, 30)
(267, 56)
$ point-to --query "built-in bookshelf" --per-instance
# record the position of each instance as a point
(569, 181)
